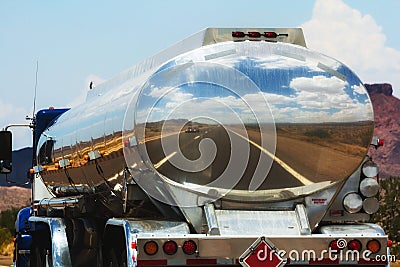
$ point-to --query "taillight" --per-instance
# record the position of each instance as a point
(354, 245)
(170, 247)
(189, 247)
(150, 248)
(373, 245)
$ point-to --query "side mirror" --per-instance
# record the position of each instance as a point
(5, 152)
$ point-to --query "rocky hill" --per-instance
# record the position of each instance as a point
(14, 197)
(387, 127)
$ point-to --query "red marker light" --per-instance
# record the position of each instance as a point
(373, 245)
(334, 245)
(126, 143)
(254, 34)
(170, 247)
(354, 245)
(270, 34)
(389, 243)
(381, 142)
(189, 247)
(238, 34)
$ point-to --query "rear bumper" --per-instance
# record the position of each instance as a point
(233, 249)
(295, 250)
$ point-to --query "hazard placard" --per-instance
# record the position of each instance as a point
(262, 253)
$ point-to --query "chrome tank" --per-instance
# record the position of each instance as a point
(272, 121)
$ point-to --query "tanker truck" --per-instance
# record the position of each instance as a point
(235, 146)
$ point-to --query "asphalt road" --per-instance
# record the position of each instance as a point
(280, 176)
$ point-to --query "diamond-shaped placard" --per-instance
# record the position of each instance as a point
(262, 253)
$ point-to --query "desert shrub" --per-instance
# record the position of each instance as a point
(5, 238)
(320, 133)
(7, 219)
(388, 215)
(7, 229)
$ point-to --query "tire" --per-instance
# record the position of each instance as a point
(114, 261)
(38, 256)
(111, 259)
(123, 262)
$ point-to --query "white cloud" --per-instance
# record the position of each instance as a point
(158, 91)
(330, 85)
(344, 33)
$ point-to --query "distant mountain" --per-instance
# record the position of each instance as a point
(14, 197)
(22, 162)
(387, 127)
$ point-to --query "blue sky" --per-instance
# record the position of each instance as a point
(78, 41)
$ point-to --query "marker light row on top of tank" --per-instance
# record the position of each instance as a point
(239, 34)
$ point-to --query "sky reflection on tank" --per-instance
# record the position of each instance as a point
(322, 114)
(234, 115)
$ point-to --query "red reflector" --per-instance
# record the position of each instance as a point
(152, 263)
(254, 34)
(189, 247)
(238, 34)
(389, 243)
(337, 212)
(325, 261)
(201, 261)
(133, 245)
(270, 34)
(170, 247)
(354, 245)
(381, 142)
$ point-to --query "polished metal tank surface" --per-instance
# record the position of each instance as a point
(258, 117)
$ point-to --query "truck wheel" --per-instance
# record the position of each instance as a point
(112, 259)
(38, 256)
(123, 262)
